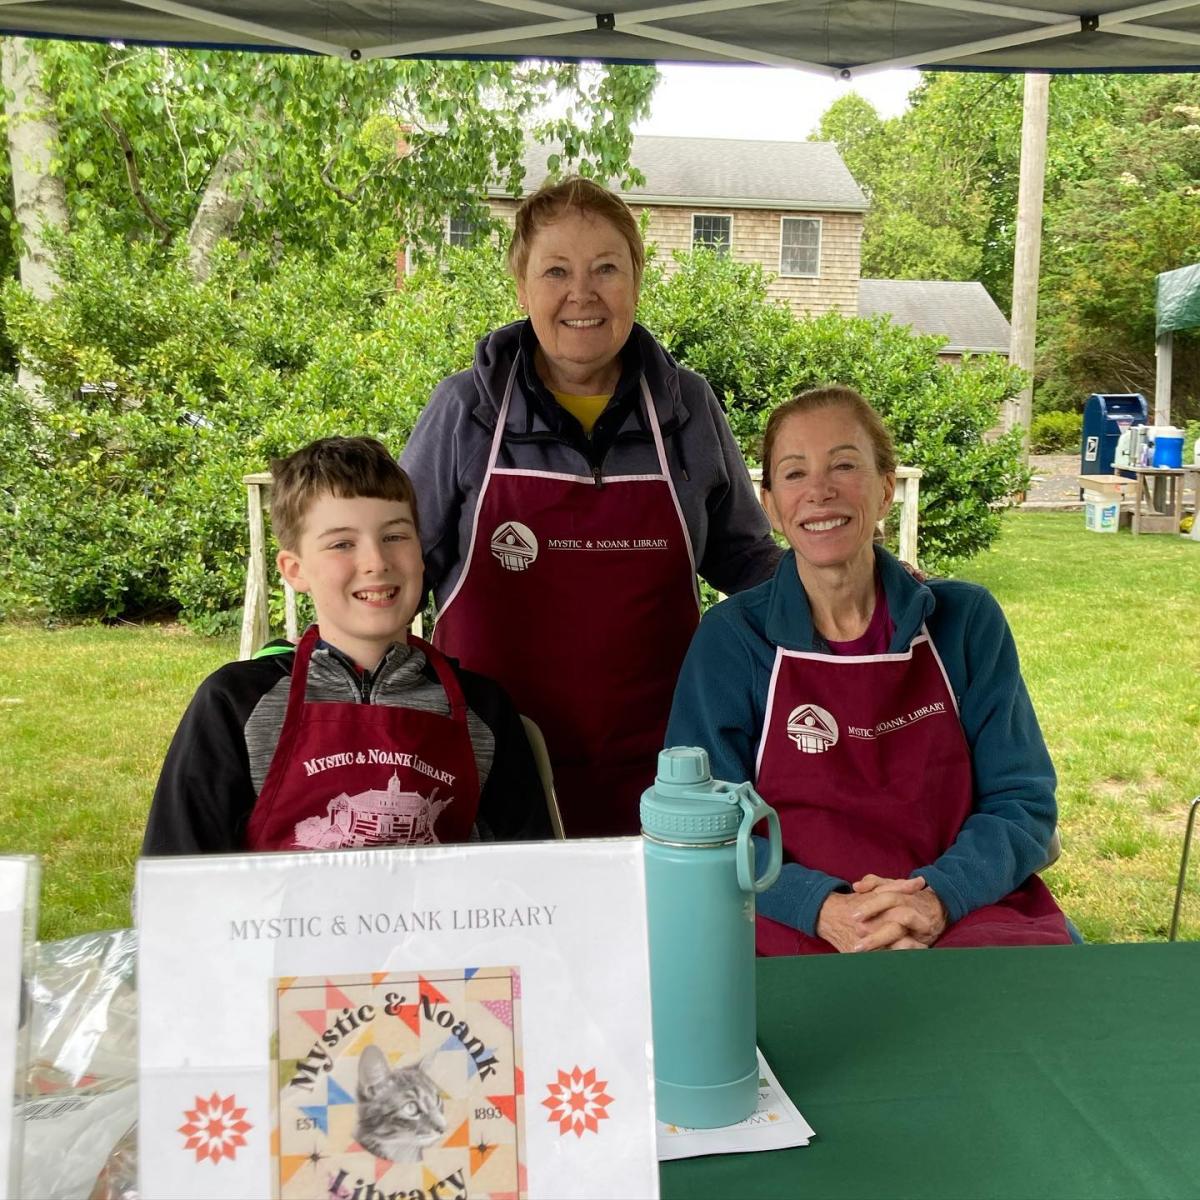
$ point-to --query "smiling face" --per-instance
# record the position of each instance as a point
(580, 289)
(360, 558)
(826, 492)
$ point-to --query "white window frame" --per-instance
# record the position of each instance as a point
(449, 223)
(820, 237)
(728, 217)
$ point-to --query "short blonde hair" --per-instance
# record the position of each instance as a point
(345, 467)
(587, 197)
(832, 396)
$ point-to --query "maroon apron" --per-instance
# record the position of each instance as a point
(347, 775)
(865, 761)
(581, 600)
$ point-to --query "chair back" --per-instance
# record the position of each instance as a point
(541, 756)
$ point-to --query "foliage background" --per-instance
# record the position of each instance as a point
(125, 498)
(1122, 203)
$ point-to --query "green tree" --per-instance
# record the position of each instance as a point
(942, 177)
(1109, 235)
(315, 153)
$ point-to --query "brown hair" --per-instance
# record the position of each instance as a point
(832, 396)
(552, 200)
(346, 467)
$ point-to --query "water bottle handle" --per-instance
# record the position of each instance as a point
(755, 809)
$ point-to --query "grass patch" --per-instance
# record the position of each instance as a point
(1109, 642)
(1109, 637)
(86, 713)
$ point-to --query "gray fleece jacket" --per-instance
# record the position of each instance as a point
(448, 452)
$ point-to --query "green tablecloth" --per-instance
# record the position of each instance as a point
(1055, 1072)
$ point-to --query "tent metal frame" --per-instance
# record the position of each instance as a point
(647, 24)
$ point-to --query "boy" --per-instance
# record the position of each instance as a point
(358, 736)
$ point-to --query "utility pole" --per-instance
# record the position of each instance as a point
(1027, 259)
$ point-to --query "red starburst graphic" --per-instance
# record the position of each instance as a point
(215, 1128)
(577, 1101)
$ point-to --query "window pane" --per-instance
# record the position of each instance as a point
(712, 231)
(460, 230)
(800, 246)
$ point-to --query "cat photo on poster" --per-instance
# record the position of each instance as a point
(398, 1085)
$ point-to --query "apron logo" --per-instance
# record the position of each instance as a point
(515, 545)
(813, 729)
(378, 817)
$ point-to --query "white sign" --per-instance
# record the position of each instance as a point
(426, 1023)
(18, 925)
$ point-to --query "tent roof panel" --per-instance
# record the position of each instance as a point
(823, 34)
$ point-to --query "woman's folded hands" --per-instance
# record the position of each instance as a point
(882, 914)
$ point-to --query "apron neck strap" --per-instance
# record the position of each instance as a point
(655, 429)
(300, 673)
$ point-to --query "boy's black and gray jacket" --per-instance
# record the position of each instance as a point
(223, 747)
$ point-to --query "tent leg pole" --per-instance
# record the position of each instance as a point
(1163, 346)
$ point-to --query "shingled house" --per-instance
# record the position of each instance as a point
(795, 208)
(792, 206)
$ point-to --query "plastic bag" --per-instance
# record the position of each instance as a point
(82, 1079)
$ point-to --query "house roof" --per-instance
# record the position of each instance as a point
(730, 173)
(963, 313)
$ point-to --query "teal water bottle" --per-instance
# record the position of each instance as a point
(700, 887)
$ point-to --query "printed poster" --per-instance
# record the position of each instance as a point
(433, 1023)
(19, 876)
(406, 1080)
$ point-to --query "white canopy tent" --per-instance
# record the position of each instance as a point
(843, 37)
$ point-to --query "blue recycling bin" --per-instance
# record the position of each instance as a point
(1105, 418)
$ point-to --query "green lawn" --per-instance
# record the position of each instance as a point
(86, 713)
(1109, 633)
(1108, 627)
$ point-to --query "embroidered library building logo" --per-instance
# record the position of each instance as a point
(577, 1102)
(812, 728)
(515, 545)
(215, 1128)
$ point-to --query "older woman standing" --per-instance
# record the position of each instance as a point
(884, 718)
(572, 483)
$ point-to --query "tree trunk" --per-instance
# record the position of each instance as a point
(220, 210)
(39, 196)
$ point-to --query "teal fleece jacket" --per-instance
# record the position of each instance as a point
(720, 704)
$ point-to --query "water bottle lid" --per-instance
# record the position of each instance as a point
(686, 804)
(684, 764)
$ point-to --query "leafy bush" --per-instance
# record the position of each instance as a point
(126, 496)
(123, 495)
(1055, 432)
(1191, 435)
(714, 315)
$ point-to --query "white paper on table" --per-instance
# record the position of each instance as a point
(219, 937)
(18, 915)
(774, 1125)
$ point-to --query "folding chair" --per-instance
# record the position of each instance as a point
(1183, 861)
(541, 757)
